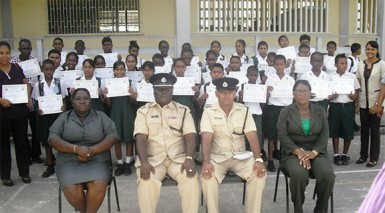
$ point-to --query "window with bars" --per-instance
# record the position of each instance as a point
(263, 15)
(367, 16)
(93, 16)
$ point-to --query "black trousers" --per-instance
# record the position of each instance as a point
(370, 124)
(35, 150)
(18, 128)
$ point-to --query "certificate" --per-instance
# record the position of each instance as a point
(241, 76)
(254, 93)
(329, 64)
(104, 73)
(134, 75)
(282, 89)
(302, 64)
(244, 67)
(161, 70)
(206, 77)
(90, 85)
(321, 88)
(110, 58)
(210, 90)
(194, 72)
(183, 86)
(117, 87)
(195, 61)
(262, 67)
(145, 93)
(270, 71)
(288, 52)
(343, 86)
(68, 77)
(15, 93)
(50, 104)
(30, 67)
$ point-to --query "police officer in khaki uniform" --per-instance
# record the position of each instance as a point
(224, 126)
(165, 141)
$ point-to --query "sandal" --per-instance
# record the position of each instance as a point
(26, 179)
(371, 164)
(360, 161)
(7, 182)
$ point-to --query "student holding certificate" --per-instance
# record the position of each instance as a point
(211, 58)
(49, 86)
(144, 89)
(133, 49)
(240, 51)
(107, 46)
(14, 120)
(100, 62)
(122, 114)
(274, 106)
(163, 48)
(216, 47)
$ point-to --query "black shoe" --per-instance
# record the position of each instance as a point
(26, 179)
(337, 160)
(270, 166)
(7, 182)
(263, 155)
(356, 127)
(127, 169)
(120, 170)
(132, 163)
(37, 160)
(277, 154)
(371, 164)
(48, 172)
(360, 161)
(345, 160)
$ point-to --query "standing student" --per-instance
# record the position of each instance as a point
(341, 112)
(14, 120)
(187, 55)
(255, 108)
(283, 41)
(370, 74)
(148, 70)
(261, 57)
(58, 44)
(123, 115)
(211, 58)
(331, 48)
(100, 62)
(163, 49)
(25, 48)
(133, 49)
(304, 39)
(303, 51)
(47, 86)
(235, 64)
(240, 51)
(107, 46)
(274, 107)
(216, 47)
(71, 61)
(80, 46)
(217, 71)
(131, 63)
(55, 56)
(159, 61)
(354, 59)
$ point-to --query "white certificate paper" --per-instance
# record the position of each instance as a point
(15, 93)
(262, 67)
(134, 75)
(343, 86)
(30, 68)
(244, 67)
(254, 93)
(68, 77)
(90, 85)
(329, 64)
(321, 88)
(194, 72)
(110, 58)
(117, 87)
(50, 104)
(302, 64)
(282, 89)
(270, 71)
(161, 70)
(145, 93)
(206, 77)
(241, 76)
(288, 52)
(195, 61)
(210, 90)
(183, 86)
(104, 73)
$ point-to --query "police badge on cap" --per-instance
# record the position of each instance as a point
(163, 80)
(226, 83)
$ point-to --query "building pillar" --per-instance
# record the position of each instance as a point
(344, 20)
(183, 33)
(380, 26)
(6, 20)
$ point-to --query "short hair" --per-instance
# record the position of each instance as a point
(136, 59)
(355, 47)
(90, 61)
(215, 42)
(163, 41)
(316, 53)
(210, 52)
(303, 46)
(186, 44)
(271, 55)
(58, 38)
(106, 39)
(4, 43)
(76, 91)
(53, 51)
(280, 57)
(337, 58)
(79, 41)
(219, 65)
(179, 60)
(118, 63)
(149, 64)
(304, 82)
(72, 54)
(332, 42)
(281, 37)
(99, 57)
(47, 61)
(187, 50)
(252, 68)
(24, 40)
(157, 56)
(304, 37)
(236, 57)
(133, 44)
(261, 43)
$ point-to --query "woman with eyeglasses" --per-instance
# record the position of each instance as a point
(303, 131)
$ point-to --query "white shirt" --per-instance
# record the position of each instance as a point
(261, 60)
(329, 63)
(245, 59)
(344, 98)
(356, 61)
(310, 76)
(48, 90)
(279, 101)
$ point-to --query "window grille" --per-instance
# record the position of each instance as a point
(93, 16)
(263, 15)
(367, 16)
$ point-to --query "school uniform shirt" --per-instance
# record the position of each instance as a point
(344, 98)
(48, 90)
(222, 60)
(165, 128)
(353, 64)
(225, 144)
(255, 108)
(140, 63)
(102, 84)
(261, 60)
(168, 61)
(279, 101)
(310, 77)
(245, 59)
(56, 74)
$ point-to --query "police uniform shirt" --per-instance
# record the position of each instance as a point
(48, 90)
(309, 76)
(228, 137)
(279, 101)
(344, 98)
(163, 126)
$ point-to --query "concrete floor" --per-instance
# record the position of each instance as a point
(351, 186)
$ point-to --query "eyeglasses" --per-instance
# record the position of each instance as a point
(299, 92)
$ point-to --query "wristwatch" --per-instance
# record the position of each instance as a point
(259, 160)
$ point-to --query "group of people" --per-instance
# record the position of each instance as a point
(170, 131)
